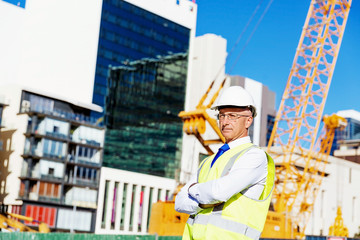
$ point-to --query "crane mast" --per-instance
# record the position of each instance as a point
(293, 140)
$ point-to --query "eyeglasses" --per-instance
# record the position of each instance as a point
(230, 116)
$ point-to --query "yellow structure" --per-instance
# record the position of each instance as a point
(165, 221)
(195, 121)
(338, 229)
(11, 222)
(300, 112)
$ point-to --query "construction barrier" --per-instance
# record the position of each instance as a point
(79, 236)
(329, 238)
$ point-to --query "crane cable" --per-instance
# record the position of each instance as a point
(244, 29)
(242, 33)
(252, 33)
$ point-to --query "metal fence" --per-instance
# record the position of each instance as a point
(78, 236)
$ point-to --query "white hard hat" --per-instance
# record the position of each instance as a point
(235, 96)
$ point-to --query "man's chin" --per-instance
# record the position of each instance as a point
(226, 136)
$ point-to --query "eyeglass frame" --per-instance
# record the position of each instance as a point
(236, 116)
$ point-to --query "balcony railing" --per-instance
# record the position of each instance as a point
(35, 196)
(79, 203)
(83, 160)
(51, 155)
(76, 117)
(57, 135)
(49, 199)
(50, 177)
(83, 182)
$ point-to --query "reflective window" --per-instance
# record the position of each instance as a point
(143, 128)
(130, 33)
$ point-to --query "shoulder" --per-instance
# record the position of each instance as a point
(255, 157)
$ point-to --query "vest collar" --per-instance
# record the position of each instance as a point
(239, 141)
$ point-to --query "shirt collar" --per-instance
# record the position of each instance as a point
(239, 141)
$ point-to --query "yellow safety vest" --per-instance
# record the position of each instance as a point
(238, 218)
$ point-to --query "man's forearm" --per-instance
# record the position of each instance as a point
(184, 203)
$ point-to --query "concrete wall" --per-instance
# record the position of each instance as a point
(12, 136)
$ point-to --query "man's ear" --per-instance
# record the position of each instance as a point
(248, 122)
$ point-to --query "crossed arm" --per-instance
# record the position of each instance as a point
(248, 171)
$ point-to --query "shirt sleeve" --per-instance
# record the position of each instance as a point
(185, 203)
(247, 171)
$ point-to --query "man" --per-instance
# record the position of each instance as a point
(230, 196)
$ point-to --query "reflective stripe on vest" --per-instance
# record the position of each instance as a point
(226, 224)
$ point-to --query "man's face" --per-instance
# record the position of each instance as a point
(234, 122)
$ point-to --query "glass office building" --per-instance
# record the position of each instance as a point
(351, 132)
(146, 56)
(129, 33)
(144, 131)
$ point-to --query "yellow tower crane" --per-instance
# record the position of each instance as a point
(292, 142)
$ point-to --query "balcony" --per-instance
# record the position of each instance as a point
(33, 152)
(49, 199)
(57, 135)
(53, 156)
(84, 204)
(60, 114)
(83, 160)
(83, 182)
(36, 197)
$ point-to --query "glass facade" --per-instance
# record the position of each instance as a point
(144, 131)
(351, 132)
(140, 81)
(269, 127)
(129, 33)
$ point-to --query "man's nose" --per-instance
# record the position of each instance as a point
(225, 120)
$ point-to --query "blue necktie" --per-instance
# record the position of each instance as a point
(221, 150)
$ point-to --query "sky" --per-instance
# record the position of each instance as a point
(268, 55)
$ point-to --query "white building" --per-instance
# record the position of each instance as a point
(208, 65)
(125, 200)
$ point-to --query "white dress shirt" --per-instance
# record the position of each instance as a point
(248, 175)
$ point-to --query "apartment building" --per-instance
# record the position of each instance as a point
(52, 155)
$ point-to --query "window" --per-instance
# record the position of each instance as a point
(44, 214)
(51, 171)
(49, 190)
